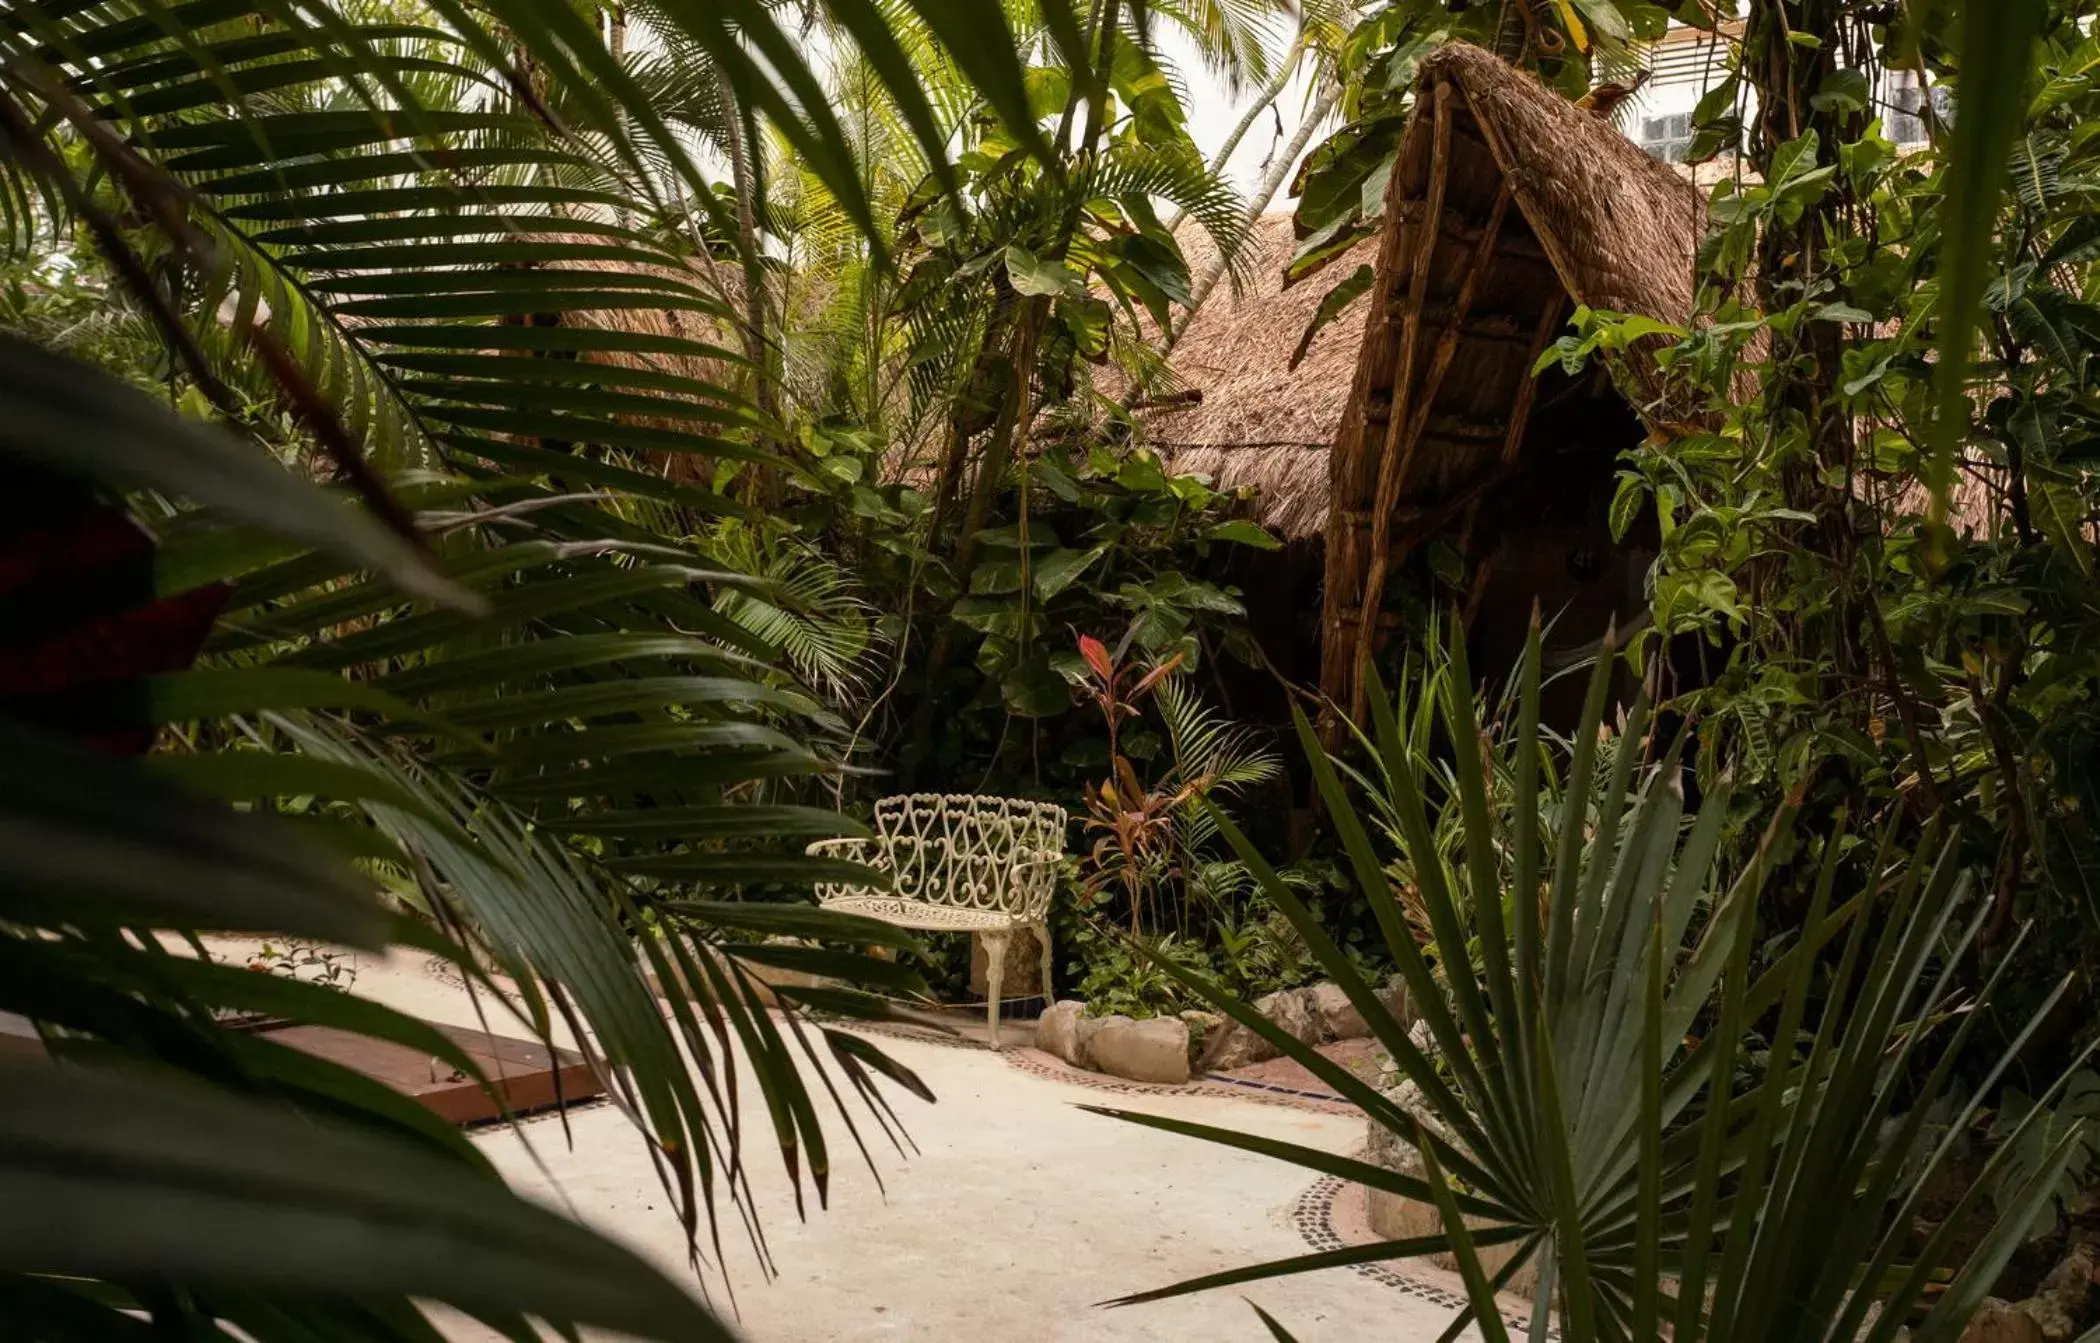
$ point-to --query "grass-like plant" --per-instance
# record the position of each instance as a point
(1589, 1100)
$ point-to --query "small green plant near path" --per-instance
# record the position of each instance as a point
(1588, 1099)
(2072, 1124)
(306, 962)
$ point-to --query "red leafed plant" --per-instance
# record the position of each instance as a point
(1135, 821)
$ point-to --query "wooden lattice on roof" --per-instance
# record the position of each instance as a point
(1507, 206)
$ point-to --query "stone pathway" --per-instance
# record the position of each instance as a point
(1016, 1216)
(1362, 1057)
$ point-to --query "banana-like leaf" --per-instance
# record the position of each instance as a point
(64, 415)
(81, 830)
(1995, 44)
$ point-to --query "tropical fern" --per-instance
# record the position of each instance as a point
(499, 677)
(1221, 760)
(809, 607)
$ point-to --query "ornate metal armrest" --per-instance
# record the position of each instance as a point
(1035, 881)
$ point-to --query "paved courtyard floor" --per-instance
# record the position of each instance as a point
(1018, 1213)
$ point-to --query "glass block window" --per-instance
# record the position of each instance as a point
(1667, 137)
(1902, 121)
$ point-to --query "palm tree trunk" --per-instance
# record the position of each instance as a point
(1271, 182)
(1511, 32)
(1017, 410)
(1010, 430)
(1267, 97)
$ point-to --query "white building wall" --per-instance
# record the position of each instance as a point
(1685, 64)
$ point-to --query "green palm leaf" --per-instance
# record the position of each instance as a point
(1659, 1178)
(376, 227)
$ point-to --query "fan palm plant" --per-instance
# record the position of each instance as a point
(1589, 1101)
(1425, 681)
(491, 673)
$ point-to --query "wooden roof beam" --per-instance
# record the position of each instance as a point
(1455, 329)
(1388, 488)
(1534, 213)
(1455, 227)
(1520, 414)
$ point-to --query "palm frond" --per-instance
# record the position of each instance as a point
(387, 234)
(1561, 1102)
(813, 610)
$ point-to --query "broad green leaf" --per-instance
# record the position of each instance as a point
(87, 832)
(1061, 568)
(1995, 43)
(1035, 690)
(1037, 276)
(1842, 91)
(239, 776)
(1333, 304)
(1239, 531)
(65, 416)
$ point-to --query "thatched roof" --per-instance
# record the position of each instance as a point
(1615, 228)
(1507, 205)
(1620, 228)
(1253, 420)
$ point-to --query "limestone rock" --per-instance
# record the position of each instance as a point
(1231, 1046)
(1394, 996)
(1400, 1218)
(1234, 1046)
(1998, 1322)
(1156, 1050)
(1058, 1031)
(1292, 1011)
(2070, 1281)
(1387, 1147)
(1338, 1017)
(2057, 1324)
(1202, 1026)
(2061, 1304)
(1089, 1027)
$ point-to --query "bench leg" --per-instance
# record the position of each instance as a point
(994, 971)
(1042, 940)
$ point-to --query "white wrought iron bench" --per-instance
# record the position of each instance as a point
(959, 863)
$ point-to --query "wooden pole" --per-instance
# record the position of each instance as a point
(1520, 413)
(1563, 264)
(1367, 414)
(1424, 400)
(1387, 493)
(1384, 552)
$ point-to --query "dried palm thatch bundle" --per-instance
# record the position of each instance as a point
(1244, 415)
(1592, 219)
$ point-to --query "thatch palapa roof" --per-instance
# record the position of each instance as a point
(1625, 225)
(1252, 420)
(1507, 206)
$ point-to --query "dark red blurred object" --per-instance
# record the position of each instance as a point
(80, 625)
